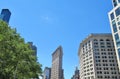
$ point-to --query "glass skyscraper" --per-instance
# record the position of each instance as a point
(114, 18)
(5, 15)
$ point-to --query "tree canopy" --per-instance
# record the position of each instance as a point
(16, 57)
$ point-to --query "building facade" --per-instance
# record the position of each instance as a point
(98, 58)
(76, 74)
(114, 18)
(33, 47)
(5, 15)
(47, 73)
(56, 70)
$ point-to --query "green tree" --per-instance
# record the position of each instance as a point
(16, 57)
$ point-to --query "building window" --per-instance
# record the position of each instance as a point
(95, 46)
(107, 40)
(114, 27)
(114, 3)
(113, 22)
(95, 40)
(117, 40)
(118, 0)
(102, 43)
(117, 11)
(119, 52)
(101, 40)
(116, 37)
(102, 49)
(119, 23)
(112, 16)
(102, 46)
(119, 27)
(108, 43)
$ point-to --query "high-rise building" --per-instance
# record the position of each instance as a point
(76, 74)
(5, 15)
(98, 58)
(33, 47)
(47, 73)
(56, 70)
(114, 18)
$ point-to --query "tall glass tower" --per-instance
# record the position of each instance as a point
(5, 15)
(114, 18)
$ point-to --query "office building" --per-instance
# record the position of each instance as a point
(98, 58)
(114, 18)
(56, 70)
(33, 47)
(47, 73)
(76, 74)
(5, 15)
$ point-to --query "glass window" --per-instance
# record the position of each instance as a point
(112, 16)
(118, 0)
(117, 11)
(118, 44)
(116, 37)
(118, 19)
(102, 43)
(117, 40)
(101, 40)
(113, 22)
(95, 40)
(107, 40)
(119, 52)
(119, 23)
(114, 27)
(114, 3)
(119, 28)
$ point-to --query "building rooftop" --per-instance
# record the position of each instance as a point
(95, 35)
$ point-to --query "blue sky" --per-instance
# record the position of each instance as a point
(50, 23)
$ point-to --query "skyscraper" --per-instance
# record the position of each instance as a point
(114, 18)
(56, 70)
(5, 15)
(76, 74)
(47, 73)
(33, 47)
(98, 58)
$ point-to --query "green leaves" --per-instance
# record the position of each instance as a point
(16, 57)
(1, 37)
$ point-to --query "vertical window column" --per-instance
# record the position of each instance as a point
(114, 27)
(119, 52)
(117, 40)
(112, 16)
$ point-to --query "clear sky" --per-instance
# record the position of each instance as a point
(50, 23)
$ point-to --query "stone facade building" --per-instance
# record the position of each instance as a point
(98, 58)
(56, 70)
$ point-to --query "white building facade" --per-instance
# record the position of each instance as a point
(98, 58)
(114, 18)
